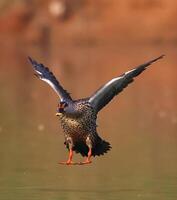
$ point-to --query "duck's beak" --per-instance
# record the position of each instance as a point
(60, 111)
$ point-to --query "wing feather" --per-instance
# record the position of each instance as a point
(108, 91)
(47, 76)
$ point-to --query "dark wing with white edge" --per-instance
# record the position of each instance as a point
(106, 93)
(44, 74)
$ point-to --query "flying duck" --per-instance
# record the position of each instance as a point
(78, 117)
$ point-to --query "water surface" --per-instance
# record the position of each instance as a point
(141, 125)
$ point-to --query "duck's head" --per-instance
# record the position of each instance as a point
(61, 107)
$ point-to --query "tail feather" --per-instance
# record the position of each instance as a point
(101, 147)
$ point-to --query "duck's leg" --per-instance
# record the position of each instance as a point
(69, 161)
(70, 146)
(89, 155)
(88, 159)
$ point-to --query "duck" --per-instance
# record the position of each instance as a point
(78, 117)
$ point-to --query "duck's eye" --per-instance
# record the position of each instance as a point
(65, 104)
(62, 105)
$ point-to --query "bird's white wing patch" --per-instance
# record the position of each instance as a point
(40, 73)
(129, 71)
(52, 85)
(106, 87)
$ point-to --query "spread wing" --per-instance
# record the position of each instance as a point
(108, 91)
(46, 75)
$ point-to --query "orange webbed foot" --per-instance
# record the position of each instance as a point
(85, 162)
(66, 163)
(69, 163)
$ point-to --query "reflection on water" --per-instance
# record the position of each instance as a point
(140, 124)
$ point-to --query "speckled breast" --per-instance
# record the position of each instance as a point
(79, 127)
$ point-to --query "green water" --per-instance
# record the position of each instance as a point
(141, 126)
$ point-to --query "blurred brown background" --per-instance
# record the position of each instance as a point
(86, 43)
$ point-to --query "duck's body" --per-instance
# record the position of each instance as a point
(78, 117)
(80, 127)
